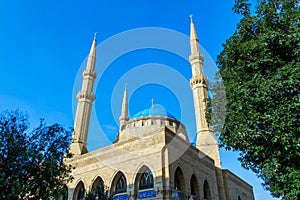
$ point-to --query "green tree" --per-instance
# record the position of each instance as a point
(260, 68)
(216, 105)
(97, 193)
(32, 161)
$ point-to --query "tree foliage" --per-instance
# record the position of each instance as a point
(97, 193)
(216, 105)
(31, 162)
(260, 68)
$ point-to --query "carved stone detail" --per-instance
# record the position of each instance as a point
(83, 95)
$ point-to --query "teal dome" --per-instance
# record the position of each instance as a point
(154, 111)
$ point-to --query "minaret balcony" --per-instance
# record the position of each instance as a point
(199, 80)
(89, 96)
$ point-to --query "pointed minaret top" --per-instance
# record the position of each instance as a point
(124, 114)
(191, 17)
(92, 56)
(193, 35)
(152, 103)
(93, 48)
(125, 99)
(194, 42)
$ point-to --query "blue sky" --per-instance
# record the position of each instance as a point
(44, 44)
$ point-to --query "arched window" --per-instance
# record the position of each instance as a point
(121, 186)
(206, 190)
(79, 191)
(144, 184)
(179, 185)
(193, 190)
(98, 183)
(194, 187)
(179, 180)
(239, 198)
(146, 180)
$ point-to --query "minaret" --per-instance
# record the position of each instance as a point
(85, 100)
(124, 114)
(206, 141)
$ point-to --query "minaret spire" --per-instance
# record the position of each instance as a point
(124, 114)
(193, 35)
(206, 141)
(85, 99)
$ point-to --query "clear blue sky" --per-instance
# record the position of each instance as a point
(44, 43)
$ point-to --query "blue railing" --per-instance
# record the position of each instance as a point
(144, 194)
(122, 196)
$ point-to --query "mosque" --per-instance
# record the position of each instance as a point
(152, 157)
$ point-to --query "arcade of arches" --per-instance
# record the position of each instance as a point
(145, 181)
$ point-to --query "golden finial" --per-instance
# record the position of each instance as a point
(95, 35)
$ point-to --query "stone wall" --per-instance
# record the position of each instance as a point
(236, 188)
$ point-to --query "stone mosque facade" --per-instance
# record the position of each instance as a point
(152, 157)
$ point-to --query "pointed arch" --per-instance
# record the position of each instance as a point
(98, 182)
(144, 178)
(147, 180)
(144, 183)
(119, 184)
(206, 191)
(79, 191)
(179, 184)
(239, 197)
(195, 193)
